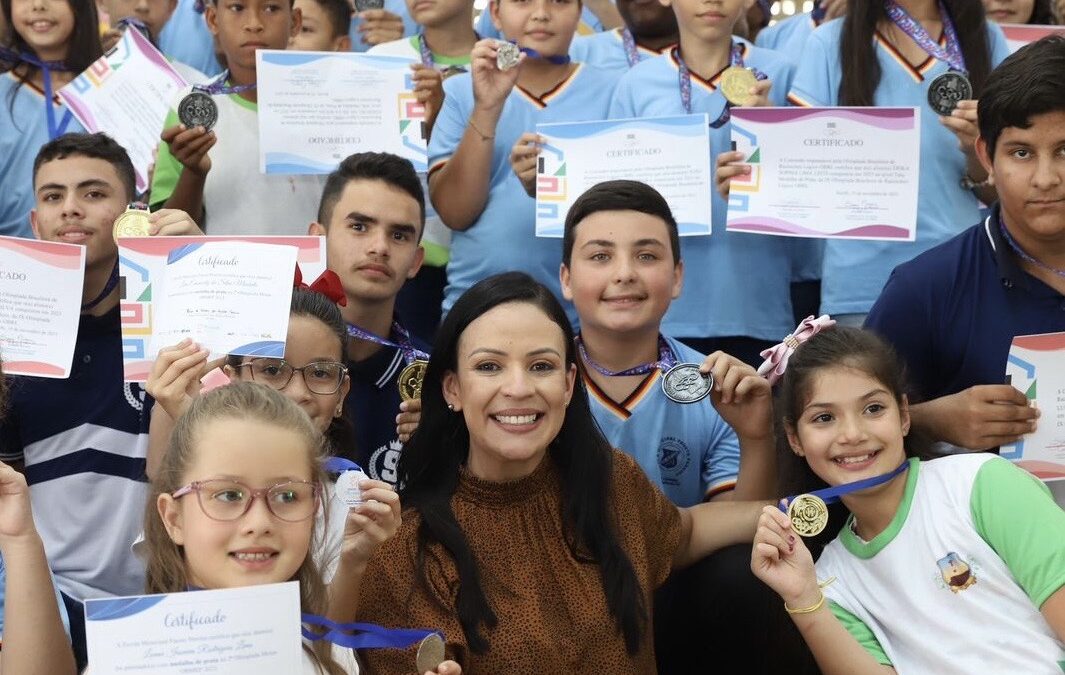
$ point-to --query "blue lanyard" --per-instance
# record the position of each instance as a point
(557, 60)
(363, 635)
(951, 55)
(832, 494)
(410, 352)
(55, 130)
(684, 75)
(340, 465)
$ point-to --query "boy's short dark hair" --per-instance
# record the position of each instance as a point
(1028, 83)
(619, 195)
(339, 14)
(93, 146)
(383, 166)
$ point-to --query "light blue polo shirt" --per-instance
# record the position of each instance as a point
(606, 51)
(185, 38)
(735, 284)
(854, 272)
(397, 7)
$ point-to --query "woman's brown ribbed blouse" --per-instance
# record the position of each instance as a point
(553, 616)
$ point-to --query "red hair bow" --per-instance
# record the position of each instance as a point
(327, 283)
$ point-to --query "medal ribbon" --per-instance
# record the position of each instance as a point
(951, 55)
(340, 465)
(533, 54)
(832, 494)
(629, 42)
(370, 636)
(55, 130)
(219, 87)
(1021, 252)
(112, 281)
(410, 352)
(429, 61)
(665, 361)
(684, 75)
(818, 13)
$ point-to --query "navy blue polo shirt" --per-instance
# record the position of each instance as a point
(952, 312)
(372, 405)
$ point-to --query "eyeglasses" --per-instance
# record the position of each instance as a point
(321, 377)
(291, 501)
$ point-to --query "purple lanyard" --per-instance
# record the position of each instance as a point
(55, 130)
(410, 352)
(629, 42)
(427, 55)
(1020, 251)
(684, 75)
(951, 55)
(219, 87)
(665, 361)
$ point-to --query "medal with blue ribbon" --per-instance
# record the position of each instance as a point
(809, 512)
(56, 128)
(431, 652)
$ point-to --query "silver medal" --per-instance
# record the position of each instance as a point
(430, 653)
(946, 90)
(198, 109)
(684, 383)
(347, 488)
(507, 55)
(363, 5)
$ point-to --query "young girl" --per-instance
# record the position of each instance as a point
(952, 565)
(888, 53)
(487, 115)
(47, 44)
(1020, 11)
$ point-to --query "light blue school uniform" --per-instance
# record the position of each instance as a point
(397, 7)
(787, 36)
(589, 25)
(503, 237)
(185, 38)
(735, 284)
(854, 272)
(687, 450)
(23, 130)
(3, 592)
(606, 51)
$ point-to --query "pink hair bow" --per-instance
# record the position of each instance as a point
(776, 358)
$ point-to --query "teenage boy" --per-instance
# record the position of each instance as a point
(325, 26)
(621, 268)
(649, 28)
(440, 50)
(725, 306)
(82, 441)
(371, 214)
(953, 311)
(214, 174)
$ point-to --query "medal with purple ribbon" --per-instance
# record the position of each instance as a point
(629, 42)
(735, 81)
(411, 377)
(198, 109)
(945, 90)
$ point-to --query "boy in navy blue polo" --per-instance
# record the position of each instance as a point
(372, 215)
(953, 311)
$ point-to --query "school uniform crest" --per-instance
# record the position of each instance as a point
(673, 458)
(956, 573)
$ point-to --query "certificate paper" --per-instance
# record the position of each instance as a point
(1036, 366)
(848, 173)
(127, 94)
(40, 305)
(239, 631)
(671, 154)
(231, 297)
(142, 263)
(1019, 35)
(316, 108)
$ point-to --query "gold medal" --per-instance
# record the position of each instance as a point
(808, 514)
(430, 650)
(410, 383)
(133, 223)
(736, 83)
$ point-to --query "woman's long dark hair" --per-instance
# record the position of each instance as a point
(839, 346)
(857, 48)
(1042, 13)
(429, 473)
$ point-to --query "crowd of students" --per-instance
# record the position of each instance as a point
(546, 503)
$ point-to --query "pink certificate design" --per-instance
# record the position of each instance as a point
(1036, 367)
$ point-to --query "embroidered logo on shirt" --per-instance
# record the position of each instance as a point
(673, 458)
(957, 573)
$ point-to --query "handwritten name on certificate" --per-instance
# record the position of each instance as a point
(142, 263)
(127, 93)
(671, 154)
(40, 305)
(231, 297)
(316, 108)
(846, 173)
(1036, 367)
(238, 631)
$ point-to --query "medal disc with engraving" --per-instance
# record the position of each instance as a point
(945, 91)
(410, 380)
(507, 55)
(198, 109)
(736, 83)
(347, 487)
(808, 514)
(430, 653)
(684, 383)
(363, 5)
(132, 223)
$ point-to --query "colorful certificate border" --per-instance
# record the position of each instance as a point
(141, 258)
(1023, 372)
